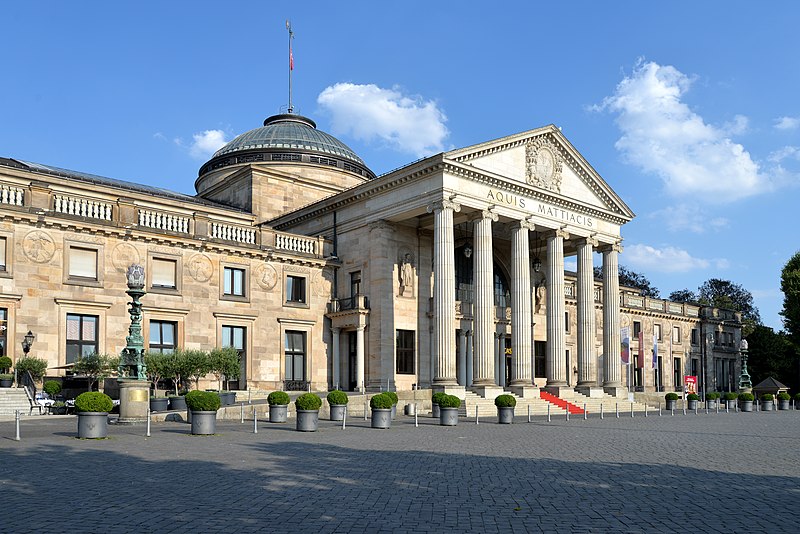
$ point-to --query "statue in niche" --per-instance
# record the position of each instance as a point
(540, 296)
(407, 276)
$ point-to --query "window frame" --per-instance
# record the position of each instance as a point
(177, 259)
(286, 290)
(99, 267)
(163, 348)
(303, 353)
(7, 246)
(234, 268)
(81, 343)
(405, 351)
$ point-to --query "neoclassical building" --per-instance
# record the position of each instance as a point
(448, 273)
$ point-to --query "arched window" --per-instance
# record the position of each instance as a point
(465, 286)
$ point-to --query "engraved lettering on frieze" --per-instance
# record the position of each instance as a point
(200, 267)
(38, 246)
(83, 238)
(295, 269)
(124, 255)
(164, 250)
(266, 276)
(543, 164)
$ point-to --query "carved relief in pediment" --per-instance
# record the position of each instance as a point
(543, 164)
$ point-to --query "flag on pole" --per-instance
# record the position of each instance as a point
(625, 347)
(655, 351)
(640, 355)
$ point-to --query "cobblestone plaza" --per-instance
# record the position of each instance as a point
(721, 472)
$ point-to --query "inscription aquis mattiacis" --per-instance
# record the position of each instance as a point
(539, 208)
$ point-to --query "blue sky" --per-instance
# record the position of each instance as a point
(688, 109)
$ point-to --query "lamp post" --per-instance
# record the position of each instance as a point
(27, 342)
(745, 385)
(134, 389)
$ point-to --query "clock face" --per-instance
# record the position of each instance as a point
(545, 163)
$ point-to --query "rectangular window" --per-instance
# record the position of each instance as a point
(295, 350)
(676, 334)
(163, 273)
(540, 358)
(162, 336)
(81, 336)
(355, 283)
(657, 331)
(234, 282)
(637, 327)
(296, 289)
(677, 374)
(405, 352)
(566, 322)
(694, 336)
(2, 253)
(83, 263)
(236, 337)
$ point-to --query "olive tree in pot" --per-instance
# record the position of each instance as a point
(730, 400)
(5, 364)
(52, 388)
(381, 405)
(155, 364)
(767, 402)
(204, 406)
(96, 367)
(308, 406)
(37, 367)
(278, 406)
(783, 400)
(746, 402)
(711, 400)
(671, 400)
(505, 408)
(392, 395)
(691, 401)
(435, 398)
(93, 408)
(337, 400)
(175, 370)
(224, 365)
(448, 410)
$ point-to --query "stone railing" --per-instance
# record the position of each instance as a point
(10, 194)
(232, 232)
(82, 207)
(296, 243)
(162, 220)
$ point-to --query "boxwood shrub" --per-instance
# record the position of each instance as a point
(308, 401)
(731, 396)
(278, 398)
(671, 396)
(747, 397)
(797, 397)
(6, 376)
(783, 396)
(381, 401)
(52, 387)
(436, 397)
(392, 395)
(337, 397)
(767, 397)
(712, 395)
(505, 401)
(93, 401)
(692, 396)
(5, 363)
(202, 401)
(449, 401)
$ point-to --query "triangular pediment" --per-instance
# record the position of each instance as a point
(544, 159)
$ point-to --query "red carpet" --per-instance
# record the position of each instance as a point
(561, 403)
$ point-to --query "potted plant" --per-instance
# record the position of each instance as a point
(435, 398)
(767, 402)
(204, 406)
(730, 400)
(59, 408)
(711, 400)
(93, 408)
(796, 400)
(691, 401)
(783, 400)
(223, 363)
(6, 380)
(448, 410)
(174, 370)
(746, 402)
(5, 364)
(505, 408)
(392, 395)
(52, 388)
(30, 364)
(96, 367)
(307, 406)
(381, 405)
(278, 406)
(337, 400)
(671, 400)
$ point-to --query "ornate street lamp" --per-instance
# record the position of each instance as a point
(27, 342)
(745, 385)
(131, 362)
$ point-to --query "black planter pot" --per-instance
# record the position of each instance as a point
(227, 398)
(204, 423)
(337, 411)
(58, 410)
(159, 404)
(278, 413)
(6, 382)
(177, 403)
(394, 411)
(381, 418)
(92, 425)
(672, 405)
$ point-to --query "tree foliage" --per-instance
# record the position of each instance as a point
(730, 296)
(156, 364)
(772, 355)
(790, 285)
(96, 367)
(683, 295)
(37, 367)
(629, 278)
(224, 364)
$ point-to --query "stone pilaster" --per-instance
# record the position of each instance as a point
(335, 363)
(521, 345)
(587, 375)
(612, 373)
(556, 342)
(360, 386)
(444, 292)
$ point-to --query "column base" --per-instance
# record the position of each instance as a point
(450, 389)
(134, 400)
(487, 392)
(616, 391)
(593, 392)
(526, 392)
(560, 391)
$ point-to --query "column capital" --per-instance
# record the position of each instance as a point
(524, 224)
(610, 247)
(335, 329)
(484, 214)
(590, 240)
(445, 203)
(560, 232)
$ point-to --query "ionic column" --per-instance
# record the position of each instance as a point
(611, 334)
(498, 362)
(520, 305)
(586, 324)
(462, 357)
(556, 345)
(360, 358)
(444, 291)
(469, 359)
(335, 357)
(483, 276)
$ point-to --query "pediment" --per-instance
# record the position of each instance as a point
(544, 159)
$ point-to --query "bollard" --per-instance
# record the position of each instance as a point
(706, 408)
(567, 410)
(659, 409)
(529, 413)
(365, 407)
(673, 411)
(718, 406)
(255, 421)
(16, 424)
(601, 410)
(616, 409)
(476, 415)
(631, 409)
(727, 409)
(645, 410)
(548, 412)
(758, 406)
(147, 434)
(695, 409)
(584, 411)
(416, 421)
(736, 407)
(241, 412)
(344, 417)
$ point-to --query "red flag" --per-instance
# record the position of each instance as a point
(291, 60)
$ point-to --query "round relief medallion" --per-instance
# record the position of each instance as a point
(38, 246)
(266, 276)
(200, 267)
(124, 255)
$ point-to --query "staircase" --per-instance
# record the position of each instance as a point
(609, 404)
(562, 403)
(486, 407)
(558, 405)
(14, 399)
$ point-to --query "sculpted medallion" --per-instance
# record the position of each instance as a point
(38, 246)
(266, 276)
(200, 267)
(124, 255)
(543, 164)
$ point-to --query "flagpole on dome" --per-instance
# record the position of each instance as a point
(291, 63)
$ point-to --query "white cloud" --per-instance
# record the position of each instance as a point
(690, 218)
(367, 112)
(787, 123)
(781, 154)
(667, 259)
(204, 144)
(663, 136)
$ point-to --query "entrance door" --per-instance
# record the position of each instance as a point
(351, 361)
(507, 360)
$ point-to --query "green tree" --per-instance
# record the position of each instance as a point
(683, 295)
(730, 296)
(790, 285)
(96, 367)
(224, 364)
(37, 367)
(771, 355)
(156, 363)
(195, 365)
(629, 278)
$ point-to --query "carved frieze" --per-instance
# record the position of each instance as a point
(266, 276)
(124, 255)
(543, 164)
